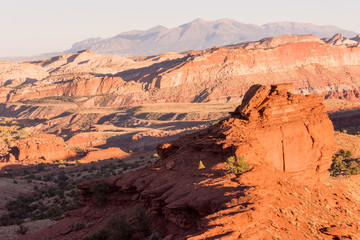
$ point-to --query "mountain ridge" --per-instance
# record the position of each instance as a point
(197, 34)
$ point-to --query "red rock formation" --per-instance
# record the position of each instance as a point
(273, 128)
(103, 154)
(217, 74)
(38, 148)
(286, 138)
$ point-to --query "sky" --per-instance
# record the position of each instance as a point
(32, 27)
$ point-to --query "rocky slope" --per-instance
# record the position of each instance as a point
(288, 141)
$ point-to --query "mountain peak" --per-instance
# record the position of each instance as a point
(199, 34)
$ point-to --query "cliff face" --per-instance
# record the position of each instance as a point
(288, 141)
(273, 128)
(328, 67)
(45, 148)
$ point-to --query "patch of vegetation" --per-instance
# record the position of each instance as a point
(10, 130)
(117, 227)
(46, 203)
(55, 189)
(104, 100)
(237, 165)
(22, 230)
(343, 164)
(52, 99)
(99, 191)
(123, 227)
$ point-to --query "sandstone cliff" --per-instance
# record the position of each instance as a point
(288, 141)
(329, 67)
(45, 148)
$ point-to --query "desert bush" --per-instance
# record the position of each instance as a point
(140, 220)
(40, 167)
(348, 154)
(99, 191)
(237, 165)
(155, 236)
(341, 166)
(54, 212)
(78, 149)
(78, 226)
(352, 168)
(117, 227)
(22, 229)
(338, 165)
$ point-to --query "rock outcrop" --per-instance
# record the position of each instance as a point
(104, 154)
(45, 148)
(274, 129)
(339, 39)
(286, 138)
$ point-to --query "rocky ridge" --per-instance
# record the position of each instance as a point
(220, 74)
(287, 139)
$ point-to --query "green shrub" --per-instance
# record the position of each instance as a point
(340, 166)
(348, 154)
(140, 220)
(99, 191)
(22, 230)
(352, 168)
(54, 212)
(117, 227)
(40, 167)
(237, 165)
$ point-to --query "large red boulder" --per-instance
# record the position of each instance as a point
(273, 129)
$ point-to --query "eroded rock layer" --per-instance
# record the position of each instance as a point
(329, 67)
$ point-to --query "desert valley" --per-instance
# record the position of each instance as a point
(252, 140)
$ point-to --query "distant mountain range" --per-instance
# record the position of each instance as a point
(197, 34)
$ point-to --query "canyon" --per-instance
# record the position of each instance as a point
(220, 74)
(171, 112)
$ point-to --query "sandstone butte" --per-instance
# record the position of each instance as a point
(38, 148)
(328, 67)
(287, 139)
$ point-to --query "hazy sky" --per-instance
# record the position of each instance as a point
(30, 27)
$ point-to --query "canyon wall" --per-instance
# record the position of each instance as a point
(330, 68)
